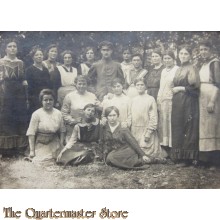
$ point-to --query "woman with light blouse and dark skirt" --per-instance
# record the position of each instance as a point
(153, 77)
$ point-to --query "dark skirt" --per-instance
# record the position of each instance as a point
(124, 157)
(80, 153)
(185, 127)
(13, 117)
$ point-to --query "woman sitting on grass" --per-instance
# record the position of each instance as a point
(119, 146)
(83, 145)
(46, 129)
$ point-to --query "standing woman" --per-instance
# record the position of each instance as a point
(153, 77)
(126, 65)
(89, 57)
(13, 104)
(209, 103)
(51, 63)
(164, 98)
(65, 76)
(185, 110)
(137, 72)
(38, 78)
(144, 121)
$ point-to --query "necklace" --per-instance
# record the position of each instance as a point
(169, 69)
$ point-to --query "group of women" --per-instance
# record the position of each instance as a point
(145, 117)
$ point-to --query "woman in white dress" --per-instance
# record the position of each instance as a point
(65, 75)
(209, 106)
(164, 98)
(46, 130)
(144, 122)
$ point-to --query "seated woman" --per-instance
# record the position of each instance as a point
(46, 129)
(74, 103)
(119, 146)
(83, 144)
(144, 123)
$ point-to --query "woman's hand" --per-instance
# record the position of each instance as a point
(103, 121)
(109, 95)
(60, 154)
(146, 159)
(178, 89)
(210, 107)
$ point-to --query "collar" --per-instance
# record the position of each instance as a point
(96, 122)
(125, 63)
(8, 59)
(186, 63)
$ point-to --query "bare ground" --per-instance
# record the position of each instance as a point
(20, 174)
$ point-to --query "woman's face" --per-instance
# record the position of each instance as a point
(184, 56)
(205, 52)
(168, 61)
(81, 86)
(47, 102)
(89, 112)
(117, 89)
(112, 118)
(11, 48)
(126, 55)
(155, 59)
(52, 53)
(38, 56)
(140, 86)
(90, 55)
(137, 62)
(67, 59)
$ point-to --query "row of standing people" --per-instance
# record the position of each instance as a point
(182, 107)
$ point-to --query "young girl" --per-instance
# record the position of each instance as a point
(83, 144)
(119, 146)
(144, 122)
(119, 100)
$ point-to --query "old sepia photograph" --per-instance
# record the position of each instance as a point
(109, 110)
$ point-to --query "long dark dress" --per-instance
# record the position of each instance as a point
(83, 145)
(185, 114)
(13, 110)
(153, 81)
(121, 148)
(37, 80)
